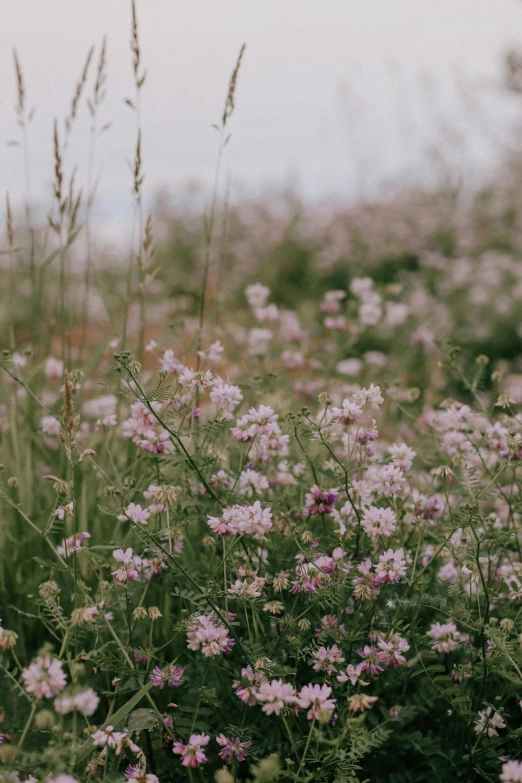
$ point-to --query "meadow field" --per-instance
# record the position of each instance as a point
(260, 497)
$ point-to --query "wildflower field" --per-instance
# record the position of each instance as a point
(260, 485)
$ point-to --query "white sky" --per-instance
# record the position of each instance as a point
(334, 95)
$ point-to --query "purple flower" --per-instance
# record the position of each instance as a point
(172, 675)
(232, 748)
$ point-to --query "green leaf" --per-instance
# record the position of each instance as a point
(114, 719)
(142, 720)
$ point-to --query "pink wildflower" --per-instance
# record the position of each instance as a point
(192, 754)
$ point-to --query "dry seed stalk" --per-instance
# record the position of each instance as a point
(148, 249)
(138, 176)
(58, 172)
(20, 107)
(135, 49)
(9, 220)
(78, 92)
(230, 101)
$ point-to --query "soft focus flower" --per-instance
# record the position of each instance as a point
(445, 636)
(316, 699)
(511, 772)
(275, 695)
(192, 754)
(135, 513)
(44, 677)
(489, 721)
(85, 702)
(117, 740)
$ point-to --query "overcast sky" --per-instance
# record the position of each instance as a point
(336, 96)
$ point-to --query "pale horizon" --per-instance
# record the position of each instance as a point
(336, 101)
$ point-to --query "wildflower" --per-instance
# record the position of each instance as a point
(336, 323)
(57, 779)
(280, 582)
(331, 302)
(127, 569)
(260, 421)
(268, 314)
(49, 589)
(214, 352)
(44, 677)
(391, 650)
(360, 702)
(402, 456)
(258, 340)
(169, 363)
(83, 615)
(172, 676)
(370, 662)
(50, 426)
(108, 738)
(8, 638)
(209, 634)
(274, 607)
(72, 544)
(387, 480)
(284, 474)
(232, 748)
(226, 397)
(505, 401)
(252, 482)
(53, 368)
(254, 520)
(275, 695)
(197, 380)
(370, 311)
(489, 721)
(138, 774)
(445, 636)
(391, 566)
(64, 511)
(326, 658)
(192, 754)
(511, 772)
(353, 673)
(293, 359)
(152, 493)
(366, 586)
(379, 521)
(371, 396)
(135, 513)
(252, 587)
(257, 294)
(320, 501)
(143, 428)
(348, 414)
(248, 689)
(443, 471)
(225, 525)
(85, 702)
(317, 698)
